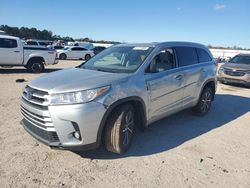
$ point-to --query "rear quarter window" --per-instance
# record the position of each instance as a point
(186, 56)
(8, 43)
(203, 56)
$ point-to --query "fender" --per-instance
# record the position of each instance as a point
(111, 107)
(205, 83)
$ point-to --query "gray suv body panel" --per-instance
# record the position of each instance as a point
(160, 94)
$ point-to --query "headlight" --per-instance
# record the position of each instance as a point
(78, 96)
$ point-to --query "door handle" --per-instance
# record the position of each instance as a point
(179, 77)
(16, 51)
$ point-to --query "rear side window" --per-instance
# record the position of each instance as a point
(78, 49)
(33, 43)
(42, 43)
(186, 56)
(8, 43)
(203, 55)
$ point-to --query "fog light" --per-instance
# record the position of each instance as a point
(76, 135)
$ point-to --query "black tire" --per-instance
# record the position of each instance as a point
(63, 56)
(205, 101)
(87, 57)
(120, 129)
(35, 67)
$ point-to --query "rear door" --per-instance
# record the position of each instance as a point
(10, 52)
(188, 61)
(78, 52)
(164, 83)
(72, 52)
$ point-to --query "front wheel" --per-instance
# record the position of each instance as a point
(205, 101)
(87, 57)
(120, 129)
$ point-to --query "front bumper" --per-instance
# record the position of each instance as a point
(234, 79)
(64, 121)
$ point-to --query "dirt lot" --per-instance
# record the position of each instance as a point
(179, 151)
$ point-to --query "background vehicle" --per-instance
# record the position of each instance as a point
(37, 43)
(75, 52)
(13, 53)
(98, 49)
(58, 47)
(236, 70)
(123, 88)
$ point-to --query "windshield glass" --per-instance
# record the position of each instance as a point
(123, 59)
(240, 59)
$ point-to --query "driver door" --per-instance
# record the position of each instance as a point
(164, 84)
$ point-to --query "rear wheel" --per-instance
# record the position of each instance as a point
(120, 129)
(205, 101)
(87, 57)
(63, 56)
(35, 67)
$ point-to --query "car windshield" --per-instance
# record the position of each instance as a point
(120, 59)
(240, 59)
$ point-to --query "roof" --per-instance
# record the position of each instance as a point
(8, 36)
(170, 43)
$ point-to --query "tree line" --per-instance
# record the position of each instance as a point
(33, 33)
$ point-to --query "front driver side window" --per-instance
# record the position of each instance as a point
(163, 61)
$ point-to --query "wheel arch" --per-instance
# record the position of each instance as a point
(209, 83)
(136, 102)
(36, 58)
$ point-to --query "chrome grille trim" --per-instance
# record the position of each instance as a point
(34, 108)
(37, 97)
(45, 120)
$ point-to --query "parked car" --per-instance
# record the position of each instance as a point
(37, 43)
(236, 70)
(125, 87)
(13, 53)
(75, 52)
(98, 49)
(58, 47)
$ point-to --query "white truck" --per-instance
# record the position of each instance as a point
(13, 53)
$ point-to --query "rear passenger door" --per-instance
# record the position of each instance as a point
(74, 52)
(189, 63)
(10, 53)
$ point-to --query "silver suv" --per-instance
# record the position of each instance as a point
(123, 88)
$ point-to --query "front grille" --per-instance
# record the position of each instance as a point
(36, 97)
(49, 136)
(232, 72)
(34, 108)
(40, 121)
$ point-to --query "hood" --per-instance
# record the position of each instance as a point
(61, 50)
(75, 79)
(236, 66)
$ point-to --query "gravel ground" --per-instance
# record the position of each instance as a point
(179, 151)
